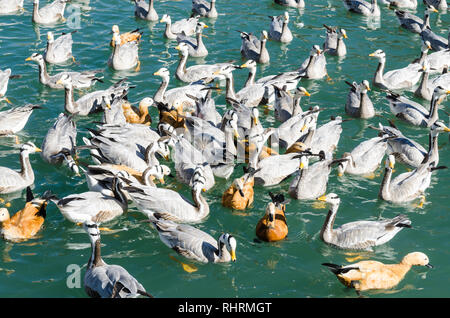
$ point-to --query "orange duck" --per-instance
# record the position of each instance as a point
(28, 221)
(273, 226)
(134, 35)
(138, 116)
(239, 195)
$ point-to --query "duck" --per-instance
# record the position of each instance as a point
(254, 49)
(358, 103)
(93, 206)
(80, 80)
(14, 181)
(196, 47)
(167, 204)
(187, 26)
(145, 11)
(60, 50)
(103, 280)
(279, 29)
(366, 8)
(365, 158)
(26, 223)
(413, 23)
(334, 42)
(240, 194)
(131, 36)
(358, 235)
(196, 244)
(300, 4)
(14, 119)
(204, 8)
(272, 226)
(140, 115)
(124, 56)
(11, 6)
(49, 14)
(367, 275)
(413, 112)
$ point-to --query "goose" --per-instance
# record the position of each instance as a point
(131, 36)
(114, 114)
(334, 42)
(103, 280)
(396, 79)
(365, 158)
(314, 67)
(14, 119)
(407, 186)
(14, 181)
(413, 23)
(60, 50)
(272, 226)
(27, 222)
(204, 8)
(205, 108)
(358, 235)
(193, 73)
(438, 60)
(185, 25)
(287, 105)
(442, 80)
(49, 14)
(254, 49)
(358, 102)
(196, 244)
(325, 138)
(196, 47)
(370, 9)
(413, 112)
(433, 151)
(291, 3)
(439, 4)
(92, 102)
(138, 115)
(93, 206)
(279, 29)
(162, 95)
(423, 91)
(366, 275)
(438, 43)
(60, 142)
(4, 80)
(407, 4)
(240, 194)
(160, 203)
(124, 56)
(80, 80)
(145, 11)
(311, 182)
(10, 6)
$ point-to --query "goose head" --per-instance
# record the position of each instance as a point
(438, 127)
(343, 165)
(36, 57)
(166, 18)
(164, 73)
(183, 48)
(251, 65)
(65, 80)
(238, 184)
(331, 198)
(379, 54)
(29, 147)
(390, 162)
(156, 171)
(230, 244)
(301, 91)
(264, 35)
(92, 229)
(50, 37)
(343, 33)
(286, 17)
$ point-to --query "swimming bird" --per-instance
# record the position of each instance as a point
(124, 56)
(370, 9)
(167, 204)
(414, 113)
(358, 102)
(429, 86)
(13, 181)
(204, 8)
(254, 49)
(138, 115)
(102, 280)
(279, 29)
(325, 138)
(314, 67)
(93, 206)
(14, 119)
(438, 43)
(366, 275)
(27, 222)
(358, 235)
(334, 42)
(145, 11)
(291, 3)
(438, 4)
(287, 105)
(80, 80)
(60, 50)
(413, 23)
(240, 194)
(272, 226)
(196, 47)
(4, 80)
(11, 6)
(365, 158)
(131, 36)
(196, 244)
(407, 4)
(49, 14)
(184, 25)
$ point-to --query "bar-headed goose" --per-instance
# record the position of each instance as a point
(145, 11)
(279, 29)
(185, 25)
(196, 47)
(14, 120)
(50, 13)
(358, 102)
(204, 8)
(11, 6)
(60, 50)
(254, 49)
(363, 7)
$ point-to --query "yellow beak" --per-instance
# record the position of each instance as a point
(322, 198)
(446, 129)
(244, 65)
(306, 93)
(233, 256)
(28, 59)
(303, 128)
(205, 26)
(236, 134)
(216, 72)
(161, 180)
(302, 165)
(38, 149)
(108, 106)
(391, 165)
(177, 47)
(447, 92)
(59, 82)
(340, 174)
(345, 36)
(156, 73)
(371, 54)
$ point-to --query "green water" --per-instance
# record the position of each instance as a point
(290, 268)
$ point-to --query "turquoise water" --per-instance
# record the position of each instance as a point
(289, 268)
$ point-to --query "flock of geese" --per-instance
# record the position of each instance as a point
(128, 146)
